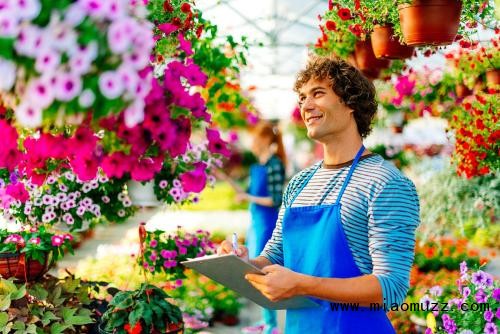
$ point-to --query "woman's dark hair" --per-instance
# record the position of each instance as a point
(348, 83)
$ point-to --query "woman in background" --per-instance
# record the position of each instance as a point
(265, 191)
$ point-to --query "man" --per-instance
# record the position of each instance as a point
(346, 228)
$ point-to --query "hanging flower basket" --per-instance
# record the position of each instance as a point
(430, 22)
(386, 45)
(18, 266)
(493, 77)
(366, 60)
(142, 194)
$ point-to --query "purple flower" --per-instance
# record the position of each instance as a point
(404, 86)
(163, 184)
(94, 8)
(182, 250)
(40, 93)
(478, 278)
(466, 292)
(481, 297)
(118, 35)
(428, 331)
(9, 24)
(114, 9)
(110, 85)
(167, 28)
(47, 61)
(488, 316)
(497, 313)
(27, 9)
(68, 86)
(448, 324)
(153, 243)
(436, 291)
(490, 328)
(153, 257)
(496, 294)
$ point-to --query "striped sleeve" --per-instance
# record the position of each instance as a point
(393, 216)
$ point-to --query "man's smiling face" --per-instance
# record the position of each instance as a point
(322, 110)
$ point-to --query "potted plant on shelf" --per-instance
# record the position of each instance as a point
(145, 310)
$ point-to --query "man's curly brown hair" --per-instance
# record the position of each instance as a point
(347, 82)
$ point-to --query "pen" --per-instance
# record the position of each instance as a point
(235, 243)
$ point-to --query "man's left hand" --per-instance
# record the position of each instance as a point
(278, 283)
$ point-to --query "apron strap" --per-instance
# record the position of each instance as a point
(305, 183)
(351, 170)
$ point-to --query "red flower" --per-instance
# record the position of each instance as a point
(330, 4)
(344, 14)
(137, 329)
(186, 8)
(465, 44)
(484, 170)
(167, 6)
(357, 4)
(356, 29)
(480, 124)
(330, 25)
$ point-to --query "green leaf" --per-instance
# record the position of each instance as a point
(67, 313)
(19, 325)
(19, 293)
(79, 320)
(4, 318)
(58, 328)
(48, 317)
(4, 302)
(38, 292)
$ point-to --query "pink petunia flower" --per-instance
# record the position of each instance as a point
(216, 144)
(195, 180)
(29, 115)
(40, 92)
(68, 86)
(110, 85)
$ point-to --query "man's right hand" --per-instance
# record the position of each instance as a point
(227, 248)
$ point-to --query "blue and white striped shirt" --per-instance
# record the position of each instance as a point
(380, 213)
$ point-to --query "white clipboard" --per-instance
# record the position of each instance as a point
(230, 270)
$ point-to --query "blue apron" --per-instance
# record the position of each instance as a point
(314, 243)
(263, 217)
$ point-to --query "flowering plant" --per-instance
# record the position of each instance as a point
(466, 310)
(341, 29)
(36, 243)
(62, 60)
(66, 202)
(144, 310)
(471, 60)
(475, 125)
(453, 203)
(433, 255)
(163, 252)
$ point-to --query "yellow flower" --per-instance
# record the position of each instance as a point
(431, 322)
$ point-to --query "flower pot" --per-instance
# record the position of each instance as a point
(493, 77)
(386, 45)
(8, 264)
(366, 60)
(430, 22)
(462, 91)
(16, 265)
(32, 270)
(142, 194)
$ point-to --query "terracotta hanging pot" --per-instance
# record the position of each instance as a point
(386, 45)
(16, 265)
(430, 22)
(493, 77)
(462, 91)
(366, 60)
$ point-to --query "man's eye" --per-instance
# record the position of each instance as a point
(316, 94)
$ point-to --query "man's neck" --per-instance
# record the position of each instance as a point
(341, 149)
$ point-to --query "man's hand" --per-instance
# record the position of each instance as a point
(227, 248)
(278, 283)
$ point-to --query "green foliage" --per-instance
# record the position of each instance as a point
(449, 202)
(53, 306)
